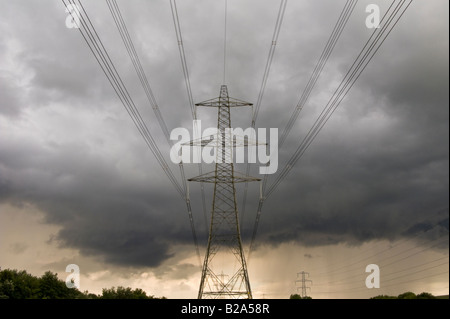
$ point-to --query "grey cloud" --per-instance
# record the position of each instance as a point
(124, 222)
(18, 248)
(10, 94)
(180, 271)
(378, 170)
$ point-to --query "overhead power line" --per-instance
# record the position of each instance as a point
(97, 48)
(225, 44)
(331, 43)
(371, 47)
(176, 22)
(347, 280)
(367, 53)
(323, 59)
(395, 261)
(123, 30)
(102, 57)
(410, 280)
(348, 267)
(273, 45)
(369, 253)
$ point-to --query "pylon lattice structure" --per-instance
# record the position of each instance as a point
(224, 241)
(304, 283)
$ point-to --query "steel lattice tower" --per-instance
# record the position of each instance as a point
(304, 283)
(224, 242)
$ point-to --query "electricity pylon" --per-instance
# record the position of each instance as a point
(304, 283)
(224, 242)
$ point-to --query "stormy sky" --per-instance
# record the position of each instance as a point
(79, 185)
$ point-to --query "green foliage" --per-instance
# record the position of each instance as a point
(124, 293)
(50, 287)
(425, 295)
(407, 295)
(384, 297)
(297, 296)
(16, 284)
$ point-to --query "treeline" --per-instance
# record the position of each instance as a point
(16, 284)
(297, 296)
(407, 295)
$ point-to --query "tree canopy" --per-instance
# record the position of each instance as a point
(297, 296)
(15, 284)
(407, 295)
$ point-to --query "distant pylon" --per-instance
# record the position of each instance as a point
(304, 283)
(219, 278)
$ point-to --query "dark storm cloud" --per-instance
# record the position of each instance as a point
(101, 211)
(10, 97)
(379, 169)
(381, 164)
(341, 194)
